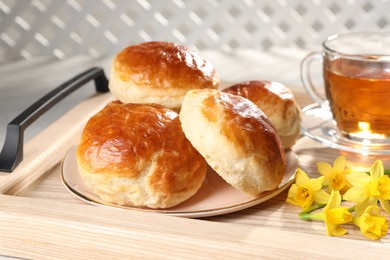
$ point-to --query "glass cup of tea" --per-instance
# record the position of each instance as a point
(356, 73)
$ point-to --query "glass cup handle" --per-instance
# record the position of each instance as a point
(306, 79)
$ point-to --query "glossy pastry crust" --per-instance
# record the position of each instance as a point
(236, 139)
(159, 72)
(137, 154)
(277, 102)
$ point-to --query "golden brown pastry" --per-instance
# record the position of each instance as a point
(137, 155)
(236, 139)
(159, 72)
(277, 102)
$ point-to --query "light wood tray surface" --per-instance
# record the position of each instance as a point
(39, 218)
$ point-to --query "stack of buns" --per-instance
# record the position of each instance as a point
(152, 147)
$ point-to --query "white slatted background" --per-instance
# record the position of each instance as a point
(98, 27)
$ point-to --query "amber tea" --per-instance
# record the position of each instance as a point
(356, 72)
(359, 97)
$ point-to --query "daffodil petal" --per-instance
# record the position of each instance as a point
(321, 197)
(358, 179)
(326, 182)
(371, 236)
(301, 177)
(384, 187)
(363, 205)
(339, 164)
(339, 231)
(334, 230)
(356, 194)
(385, 205)
(377, 170)
(291, 191)
(291, 195)
(316, 184)
(334, 200)
(324, 168)
(330, 229)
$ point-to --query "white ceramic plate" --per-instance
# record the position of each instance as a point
(317, 123)
(215, 197)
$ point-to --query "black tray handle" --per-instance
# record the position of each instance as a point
(12, 152)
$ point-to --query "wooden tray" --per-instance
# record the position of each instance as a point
(40, 219)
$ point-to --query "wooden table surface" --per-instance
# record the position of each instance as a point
(40, 219)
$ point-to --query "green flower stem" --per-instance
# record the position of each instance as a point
(305, 214)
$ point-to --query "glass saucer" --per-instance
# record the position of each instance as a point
(317, 123)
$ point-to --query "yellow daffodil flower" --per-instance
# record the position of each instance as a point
(371, 223)
(334, 216)
(367, 190)
(335, 177)
(305, 191)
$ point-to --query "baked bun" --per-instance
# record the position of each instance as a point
(236, 139)
(159, 72)
(277, 102)
(137, 155)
